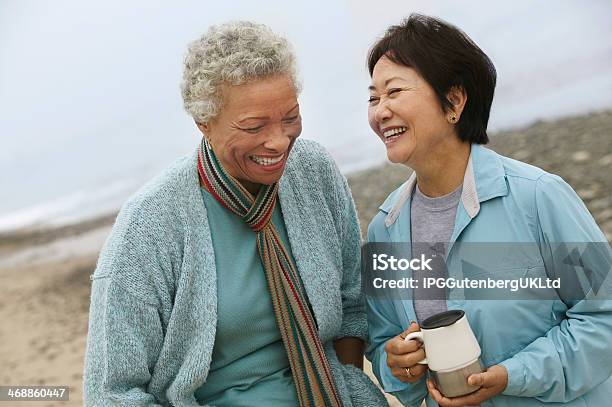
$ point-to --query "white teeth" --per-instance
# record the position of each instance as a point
(267, 160)
(394, 131)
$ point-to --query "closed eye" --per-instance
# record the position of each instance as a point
(394, 91)
(373, 100)
(291, 119)
(253, 130)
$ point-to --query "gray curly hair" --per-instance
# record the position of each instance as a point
(232, 53)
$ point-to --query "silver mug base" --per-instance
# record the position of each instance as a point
(454, 383)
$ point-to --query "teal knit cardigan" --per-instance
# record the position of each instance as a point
(153, 309)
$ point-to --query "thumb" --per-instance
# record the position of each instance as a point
(414, 327)
(484, 379)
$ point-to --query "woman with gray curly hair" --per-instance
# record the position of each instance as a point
(232, 279)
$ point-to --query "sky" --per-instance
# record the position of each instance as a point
(90, 105)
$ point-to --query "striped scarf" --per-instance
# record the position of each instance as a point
(309, 366)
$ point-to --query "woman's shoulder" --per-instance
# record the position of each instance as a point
(560, 211)
(162, 205)
(168, 190)
(149, 225)
(309, 155)
(519, 169)
(529, 180)
(310, 161)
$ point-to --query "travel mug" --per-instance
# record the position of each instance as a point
(452, 352)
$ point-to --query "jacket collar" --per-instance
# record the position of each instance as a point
(484, 179)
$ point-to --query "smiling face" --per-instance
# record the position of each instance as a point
(255, 130)
(406, 114)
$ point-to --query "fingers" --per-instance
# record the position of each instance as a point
(413, 327)
(491, 382)
(472, 399)
(405, 360)
(399, 346)
(434, 393)
(416, 373)
(403, 354)
(445, 401)
(399, 363)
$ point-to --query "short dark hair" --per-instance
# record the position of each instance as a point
(445, 57)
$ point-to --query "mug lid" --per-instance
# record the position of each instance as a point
(442, 319)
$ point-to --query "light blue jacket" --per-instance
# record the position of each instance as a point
(153, 311)
(557, 352)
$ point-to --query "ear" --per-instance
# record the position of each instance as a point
(457, 97)
(204, 127)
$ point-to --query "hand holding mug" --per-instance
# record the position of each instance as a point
(492, 382)
(403, 356)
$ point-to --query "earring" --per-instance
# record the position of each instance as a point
(453, 118)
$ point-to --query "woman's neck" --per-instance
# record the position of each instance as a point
(444, 170)
(252, 187)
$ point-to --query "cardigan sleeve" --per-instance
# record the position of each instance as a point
(124, 340)
(125, 327)
(354, 321)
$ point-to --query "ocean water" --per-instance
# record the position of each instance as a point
(90, 106)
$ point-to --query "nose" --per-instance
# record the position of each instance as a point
(382, 112)
(278, 139)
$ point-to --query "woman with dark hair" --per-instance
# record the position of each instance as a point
(430, 97)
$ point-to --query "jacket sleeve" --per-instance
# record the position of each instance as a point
(354, 322)
(576, 355)
(125, 330)
(382, 326)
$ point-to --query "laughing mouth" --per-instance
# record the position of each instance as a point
(265, 161)
(394, 133)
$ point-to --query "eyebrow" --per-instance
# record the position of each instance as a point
(266, 117)
(292, 109)
(372, 87)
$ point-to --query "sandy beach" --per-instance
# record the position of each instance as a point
(44, 274)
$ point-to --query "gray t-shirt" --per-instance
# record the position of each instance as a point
(432, 221)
